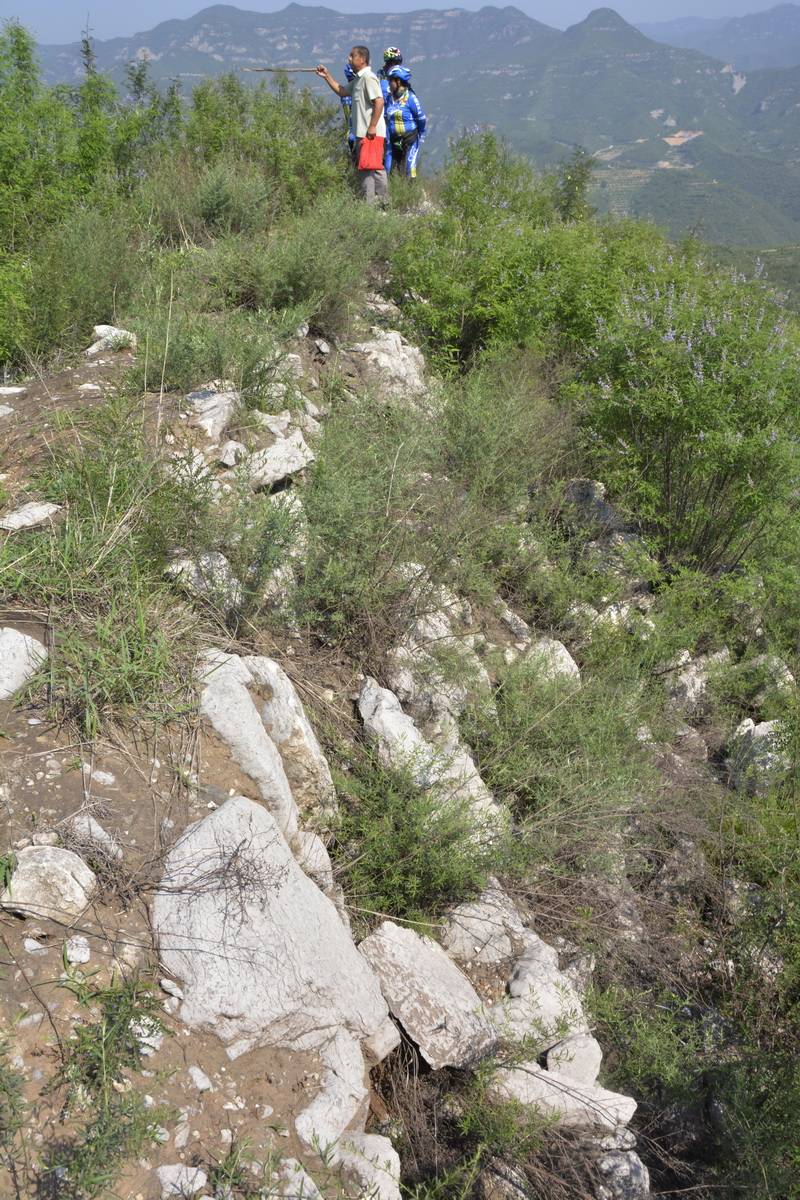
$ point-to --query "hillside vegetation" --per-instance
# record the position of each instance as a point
(600, 84)
(642, 827)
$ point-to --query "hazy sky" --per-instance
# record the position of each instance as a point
(62, 20)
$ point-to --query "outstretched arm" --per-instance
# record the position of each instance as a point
(332, 83)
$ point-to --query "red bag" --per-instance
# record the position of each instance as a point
(370, 156)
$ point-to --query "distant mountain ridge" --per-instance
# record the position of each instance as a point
(678, 136)
(759, 40)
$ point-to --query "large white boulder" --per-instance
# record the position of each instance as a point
(291, 1181)
(212, 407)
(557, 1096)
(21, 656)
(49, 882)
(277, 462)
(261, 954)
(434, 1002)
(542, 1006)
(398, 366)
(485, 930)
(226, 702)
(285, 721)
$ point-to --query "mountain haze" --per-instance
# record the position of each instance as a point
(763, 39)
(678, 136)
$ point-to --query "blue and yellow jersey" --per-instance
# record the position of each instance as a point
(404, 115)
(405, 131)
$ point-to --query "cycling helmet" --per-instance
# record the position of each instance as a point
(399, 73)
(391, 55)
(349, 73)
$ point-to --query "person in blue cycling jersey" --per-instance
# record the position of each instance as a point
(391, 58)
(347, 107)
(405, 123)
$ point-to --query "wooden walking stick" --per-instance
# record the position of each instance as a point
(289, 70)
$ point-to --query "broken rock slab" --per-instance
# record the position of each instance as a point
(261, 954)
(398, 366)
(226, 703)
(542, 1006)
(285, 721)
(579, 1057)
(555, 1095)
(49, 882)
(212, 407)
(21, 656)
(433, 1001)
(109, 337)
(486, 930)
(291, 1181)
(279, 461)
(373, 1162)
(343, 1096)
(29, 516)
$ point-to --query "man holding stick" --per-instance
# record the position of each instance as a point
(367, 119)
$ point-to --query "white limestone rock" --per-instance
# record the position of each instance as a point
(21, 656)
(208, 577)
(485, 930)
(29, 516)
(399, 742)
(231, 453)
(90, 833)
(285, 721)
(381, 1044)
(14, 391)
(277, 462)
(212, 407)
(757, 759)
(109, 337)
(291, 1181)
(688, 692)
(542, 1005)
(277, 424)
(49, 882)
(343, 1095)
(226, 703)
(180, 1182)
(434, 1002)
(374, 1164)
(261, 954)
(553, 661)
(624, 1175)
(556, 1095)
(78, 950)
(6, 410)
(579, 1057)
(398, 366)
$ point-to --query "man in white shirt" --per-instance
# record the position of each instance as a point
(367, 115)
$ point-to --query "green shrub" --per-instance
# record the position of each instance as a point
(401, 852)
(566, 760)
(692, 414)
